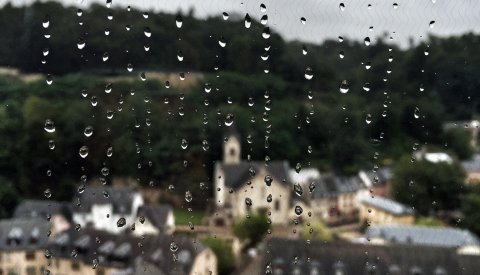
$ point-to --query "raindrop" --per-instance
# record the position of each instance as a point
(147, 32)
(129, 67)
(368, 118)
(341, 54)
(303, 20)
(51, 144)
(173, 247)
(88, 131)
(179, 21)
(229, 120)
(263, 8)
(184, 144)
(188, 196)
(121, 222)
(205, 145)
(49, 79)
(426, 52)
(248, 21)
(83, 151)
(105, 171)
(109, 3)
(340, 39)
(298, 167)
(344, 87)
(248, 201)
(298, 210)
(367, 41)
(269, 198)
(180, 56)
(49, 126)
(311, 187)
(308, 73)
(225, 16)
(268, 180)
(297, 188)
(342, 6)
(395, 5)
(366, 87)
(105, 57)
(47, 193)
(416, 113)
(266, 33)
(222, 42)
(46, 22)
(143, 77)
(304, 50)
(264, 19)
(81, 43)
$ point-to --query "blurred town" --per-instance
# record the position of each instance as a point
(139, 142)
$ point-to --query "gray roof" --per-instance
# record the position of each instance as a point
(331, 186)
(290, 257)
(156, 214)
(23, 233)
(120, 197)
(472, 165)
(124, 251)
(381, 176)
(388, 205)
(239, 174)
(42, 208)
(422, 235)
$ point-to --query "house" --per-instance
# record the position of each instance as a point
(434, 157)
(423, 235)
(154, 220)
(102, 207)
(337, 197)
(59, 213)
(101, 252)
(378, 210)
(378, 181)
(304, 177)
(296, 256)
(472, 168)
(22, 244)
(250, 186)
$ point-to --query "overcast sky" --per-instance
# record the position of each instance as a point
(325, 19)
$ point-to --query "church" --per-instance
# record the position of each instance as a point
(243, 187)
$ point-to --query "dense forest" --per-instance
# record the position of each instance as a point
(96, 112)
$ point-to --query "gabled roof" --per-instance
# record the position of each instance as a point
(422, 235)
(236, 175)
(288, 257)
(42, 208)
(381, 176)
(125, 251)
(23, 233)
(331, 186)
(156, 214)
(387, 205)
(120, 197)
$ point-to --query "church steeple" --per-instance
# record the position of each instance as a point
(231, 148)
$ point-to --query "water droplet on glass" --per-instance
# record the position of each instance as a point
(342, 6)
(88, 131)
(229, 120)
(367, 41)
(179, 21)
(416, 113)
(47, 193)
(51, 144)
(83, 151)
(173, 247)
(184, 144)
(298, 210)
(266, 33)
(49, 126)
(308, 73)
(105, 171)
(188, 196)
(225, 16)
(297, 188)
(81, 43)
(268, 180)
(368, 118)
(248, 201)
(105, 57)
(222, 42)
(298, 167)
(311, 187)
(366, 87)
(121, 222)
(395, 5)
(264, 19)
(248, 21)
(344, 87)
(303, 20)
(147, 32)
(109, 3)
(263, 8)
(49, 79)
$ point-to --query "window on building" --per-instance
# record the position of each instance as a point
(31, 270)
(30, 255)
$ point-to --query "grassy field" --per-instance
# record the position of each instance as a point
(183, 216)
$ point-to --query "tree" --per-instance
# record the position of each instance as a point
(317, 231)
(458, 140)
(252, 229)
(9, 198)
(428, 186)
(224, 253)
(429, 221)
(470, 207)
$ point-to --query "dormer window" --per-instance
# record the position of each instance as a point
(339, 268)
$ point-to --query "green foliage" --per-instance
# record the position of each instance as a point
(429, 221)
(184, 217)
(470, 209)
(428, 186)
(9, 198)
(317, 231)
(458, 140)
(224, 253)
(252, 229)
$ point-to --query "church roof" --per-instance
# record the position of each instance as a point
(238, 174)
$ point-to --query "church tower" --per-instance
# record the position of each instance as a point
(231, 148)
